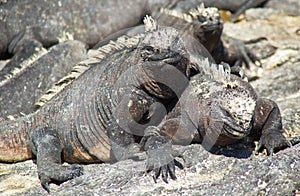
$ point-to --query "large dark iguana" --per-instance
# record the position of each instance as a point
(217, 108)
(99, 116)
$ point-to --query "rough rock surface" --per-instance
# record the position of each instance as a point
(30, 79)
(233, 170)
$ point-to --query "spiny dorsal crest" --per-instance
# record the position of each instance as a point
(195, 13)
(186, 17)
(150, 24)
(94, 56)
(206, 13)
(216, 72)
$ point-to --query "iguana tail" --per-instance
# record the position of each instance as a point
(14, 141)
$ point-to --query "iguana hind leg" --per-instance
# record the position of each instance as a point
(47, 148)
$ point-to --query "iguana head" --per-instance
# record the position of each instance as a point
(231, 110)
(226, 103)
(164, 60)
(207, 26)
(204, 23)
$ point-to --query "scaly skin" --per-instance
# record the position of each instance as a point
(101, 114)
(218, 108)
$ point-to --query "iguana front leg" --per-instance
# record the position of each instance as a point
(267, 118)
(46, 146)
(158, 141)
(130, 118)
(235, 52)
(158, 147)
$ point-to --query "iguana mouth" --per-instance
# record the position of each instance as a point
(176, 72)
(235, 131)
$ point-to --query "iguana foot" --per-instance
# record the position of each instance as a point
(238, 54)
(58, 174)
(272, 142)
(159, 154)
(47, 148)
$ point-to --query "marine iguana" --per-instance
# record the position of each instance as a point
(206, 25)
(217, 108)
(101, 114)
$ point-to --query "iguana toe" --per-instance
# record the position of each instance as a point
(172, 170)
(58, 174)
(164, 173)
(162, 163)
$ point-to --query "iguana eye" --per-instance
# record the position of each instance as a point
(146, 52)
(202, 19)
(151, 53)
(148, 48)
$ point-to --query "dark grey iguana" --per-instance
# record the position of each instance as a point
(206, 25)
(99, 116)
(217, 108)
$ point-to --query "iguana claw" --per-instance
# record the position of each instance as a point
(272, 142)
(159, 155)
(61, 174)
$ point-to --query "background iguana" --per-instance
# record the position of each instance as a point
(101, 114)
(217, 108)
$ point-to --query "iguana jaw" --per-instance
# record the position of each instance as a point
(164, 60)
(234, 130)
(167, 77)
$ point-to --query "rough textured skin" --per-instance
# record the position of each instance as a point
(28, 28)
(219, 109)
(98, 117)
(206, 26)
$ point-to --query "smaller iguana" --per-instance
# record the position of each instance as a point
(100, 116)
(218, 108)
(206, 25)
